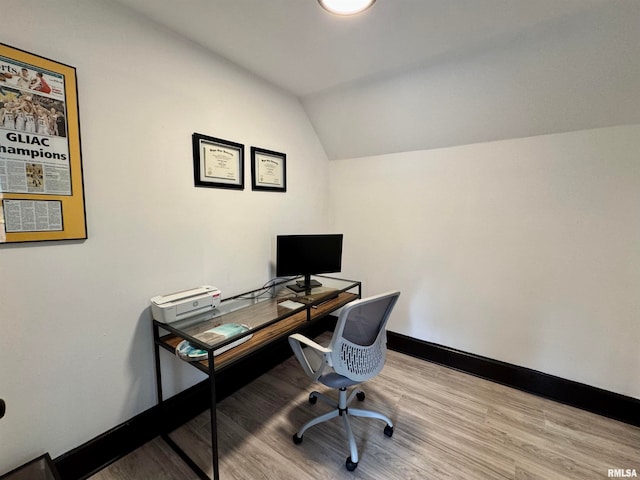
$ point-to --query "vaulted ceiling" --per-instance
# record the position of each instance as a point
(413, 55)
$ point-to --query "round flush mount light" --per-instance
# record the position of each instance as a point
(346, 7)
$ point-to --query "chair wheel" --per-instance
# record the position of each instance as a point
(296, 439)
(312, 399)
(351, 466)
(388, 431)
(360, 396)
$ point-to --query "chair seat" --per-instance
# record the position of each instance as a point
(335, 380)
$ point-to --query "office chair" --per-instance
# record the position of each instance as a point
(355, 354)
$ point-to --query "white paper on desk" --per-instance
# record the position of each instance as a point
(291, 305)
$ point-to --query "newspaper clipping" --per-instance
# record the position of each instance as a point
(34, 150)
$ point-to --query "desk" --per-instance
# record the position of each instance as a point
(262, 311)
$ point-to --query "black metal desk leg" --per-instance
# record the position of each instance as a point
(156, 352)
(214, 426)
(165, 434)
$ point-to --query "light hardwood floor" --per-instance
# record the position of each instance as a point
(448, 425)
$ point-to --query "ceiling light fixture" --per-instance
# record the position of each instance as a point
(346, 7)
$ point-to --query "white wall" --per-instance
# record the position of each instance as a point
(520, 250)
(76, 349)
(523, 248)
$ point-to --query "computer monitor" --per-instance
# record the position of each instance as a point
(308, 255)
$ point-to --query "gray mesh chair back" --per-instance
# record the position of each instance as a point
(359, 343)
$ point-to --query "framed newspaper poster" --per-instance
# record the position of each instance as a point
(41, 188)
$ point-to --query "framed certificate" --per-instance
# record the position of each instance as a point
(268, 170)
(217, 163)
(42, 192)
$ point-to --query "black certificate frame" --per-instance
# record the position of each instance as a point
(274, 179)
(228, 170)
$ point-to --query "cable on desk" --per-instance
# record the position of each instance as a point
(266, 286)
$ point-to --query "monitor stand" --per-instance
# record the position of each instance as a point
(304, 285)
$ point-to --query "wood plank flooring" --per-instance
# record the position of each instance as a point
(448, 425)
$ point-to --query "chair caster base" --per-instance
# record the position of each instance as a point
(351, 466)
(296, 439)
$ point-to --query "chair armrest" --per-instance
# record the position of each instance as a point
(315, 369)
(308, 342)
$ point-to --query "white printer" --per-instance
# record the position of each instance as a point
(185, 304)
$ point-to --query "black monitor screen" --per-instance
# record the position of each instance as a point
(308, 254)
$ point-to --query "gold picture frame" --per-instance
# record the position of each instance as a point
(41, 189)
